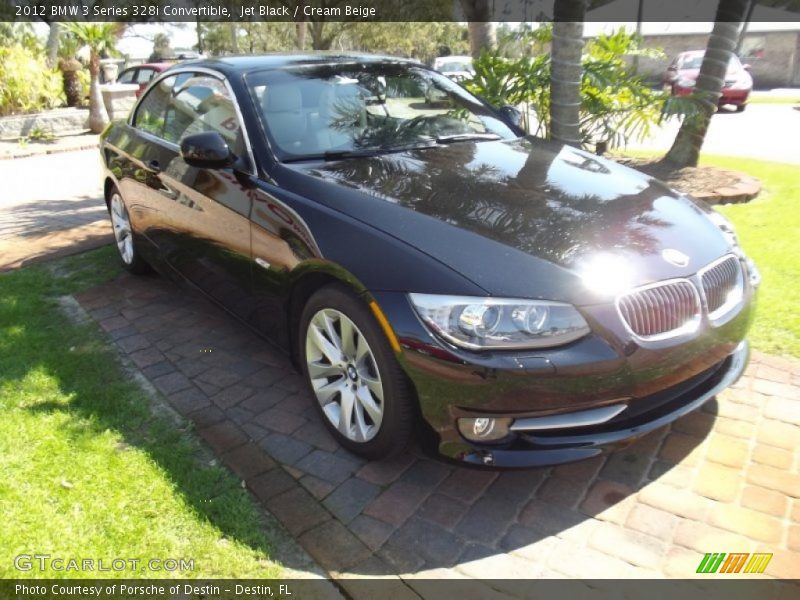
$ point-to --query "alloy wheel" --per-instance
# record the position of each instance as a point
(122, 228)
(344, 375)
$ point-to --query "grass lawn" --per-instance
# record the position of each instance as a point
(87, 470)
(768, 229)
(754, 99)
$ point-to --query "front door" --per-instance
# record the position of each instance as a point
(207, 210)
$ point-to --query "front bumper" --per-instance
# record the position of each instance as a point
(736, 97)
(655, 383)
(546, 447)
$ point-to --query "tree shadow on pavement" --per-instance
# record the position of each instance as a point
(405, 515)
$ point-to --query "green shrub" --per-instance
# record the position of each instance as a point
(26, 84)
(616, 105)
(84, 80)
(522, 82)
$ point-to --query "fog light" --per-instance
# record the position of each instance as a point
(485, 429)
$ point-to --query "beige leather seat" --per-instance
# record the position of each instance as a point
(342, 115)
(286, 119)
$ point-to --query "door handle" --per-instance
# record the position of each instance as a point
(154, 166)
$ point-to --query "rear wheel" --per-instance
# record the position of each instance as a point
(361, 392)
(123, 234)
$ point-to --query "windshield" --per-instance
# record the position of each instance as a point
(452, 67)
(318, 110)
(695, 61)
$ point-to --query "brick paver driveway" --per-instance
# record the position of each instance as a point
(721, 480)
(47, 207)
(49, 193)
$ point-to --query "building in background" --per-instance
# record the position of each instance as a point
(771, 44)
(771, 49)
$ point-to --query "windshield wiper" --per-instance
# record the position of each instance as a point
(417, 145)
(401, 147)
(466, 137)
(337, 154)
(334, 155)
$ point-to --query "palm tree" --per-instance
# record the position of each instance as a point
(685, 150)
(53, 40)
(300, 27)
(99, 38)
(233, 29)
(482, 35)
(566, 71)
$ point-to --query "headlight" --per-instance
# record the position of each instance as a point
(686, 83)
(477, 323)
(727, 229)
(730, 235)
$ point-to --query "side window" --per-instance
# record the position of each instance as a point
(145, 75)
(127, 76)
(188, 103)
(202, 103)
(152, 109)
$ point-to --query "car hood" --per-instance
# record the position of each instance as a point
(729, 75)
(522, 217)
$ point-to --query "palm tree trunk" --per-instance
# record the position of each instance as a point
(482, 35)
(751, 5)
(639, 17)
(685, 150)
(300, 27)
(566, 71)
(233, 30)
(98, 116)
(199, 32)
(53, 41)
(318, 40)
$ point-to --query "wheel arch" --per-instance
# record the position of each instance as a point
(305, 281)
(108, 184)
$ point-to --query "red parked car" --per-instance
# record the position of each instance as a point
(142, 74)
(681, 77)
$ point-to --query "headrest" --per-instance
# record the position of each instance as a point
(282, 98)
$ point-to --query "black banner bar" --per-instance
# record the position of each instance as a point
(142, 11)
(734, 587)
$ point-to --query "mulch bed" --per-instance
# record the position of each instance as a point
(712, 184)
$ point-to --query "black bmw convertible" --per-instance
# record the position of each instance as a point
(431, 270)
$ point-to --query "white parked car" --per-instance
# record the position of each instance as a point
(456, 68)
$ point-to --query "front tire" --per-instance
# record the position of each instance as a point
(741, 107)
(123, 234)
(359, 389)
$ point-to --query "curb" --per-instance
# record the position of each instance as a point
(27, 154)
(13, 150)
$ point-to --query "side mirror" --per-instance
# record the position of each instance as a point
(672, 68)
(747, 66)
(207, 150)
(512, 114)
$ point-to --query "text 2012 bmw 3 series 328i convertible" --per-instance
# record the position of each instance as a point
(432, 271)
